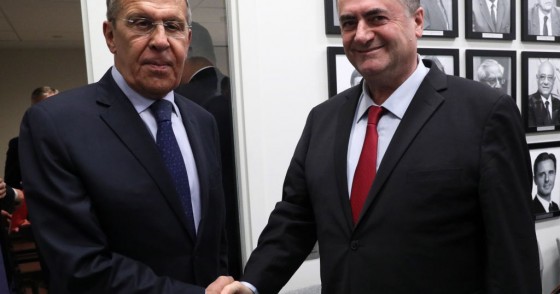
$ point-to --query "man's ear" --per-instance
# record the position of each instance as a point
(109, 34)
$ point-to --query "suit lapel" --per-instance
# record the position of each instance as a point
(486, 14)
(425, 102)
(193, 133)
(125, 122)
(343, 129)
(501, 15)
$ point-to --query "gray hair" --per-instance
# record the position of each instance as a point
(412, 5)
(482, 72)
(114, 6)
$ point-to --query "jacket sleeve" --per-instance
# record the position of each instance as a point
(505, 197)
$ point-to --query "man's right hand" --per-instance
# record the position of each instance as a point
(217, 286)
(236, 288)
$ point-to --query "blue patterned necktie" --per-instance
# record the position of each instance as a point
(171, 154)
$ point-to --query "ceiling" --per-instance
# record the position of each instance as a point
(58, 23)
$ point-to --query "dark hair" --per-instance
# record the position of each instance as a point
(542, 157)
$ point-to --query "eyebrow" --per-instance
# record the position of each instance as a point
(369, 13)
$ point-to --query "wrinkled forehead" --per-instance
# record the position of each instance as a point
(176, 8)
(546, 69)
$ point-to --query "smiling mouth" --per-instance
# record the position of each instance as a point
(370, 49)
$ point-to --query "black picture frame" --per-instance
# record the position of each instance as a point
(478, 62)
(531, 29)
(535, 149)
(440, 22)
(531, 105)
(341, 74)
(478, 24)
(447, 58)
(332, 26)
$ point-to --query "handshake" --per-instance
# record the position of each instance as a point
(227, 285)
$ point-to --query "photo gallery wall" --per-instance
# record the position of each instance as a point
(492, 22)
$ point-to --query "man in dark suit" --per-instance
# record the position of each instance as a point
(491, 16)
(448, 210)
(437, 15)
(544, 175)
(544, 19)
(123, 199)
(200, 80)
(543, 107)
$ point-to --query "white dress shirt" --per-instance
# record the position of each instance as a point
(395, 106)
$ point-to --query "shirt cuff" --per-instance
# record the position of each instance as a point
(255, 291)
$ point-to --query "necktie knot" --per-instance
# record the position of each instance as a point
(162, 110)
(374, 114)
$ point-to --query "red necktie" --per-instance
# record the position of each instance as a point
(365, 171)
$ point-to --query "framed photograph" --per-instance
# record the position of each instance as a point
(447, 60)
(341, 73)
(546, 196)
(490, 19)
(494, 68)
(540, 20)
(440, 18)
(540, 100)
(332, 25)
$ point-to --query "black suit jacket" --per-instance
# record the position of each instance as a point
(202, 86)
(538, 208)
(537, 114)
(104, 210)
(449, 211)
(12, 173)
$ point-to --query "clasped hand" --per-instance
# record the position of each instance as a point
(227, 285)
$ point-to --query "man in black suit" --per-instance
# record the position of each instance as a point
(121, 198)
(544, 175)
(12, 171)
(448, 210)
(543, 108)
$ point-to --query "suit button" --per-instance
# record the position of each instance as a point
(354, 245)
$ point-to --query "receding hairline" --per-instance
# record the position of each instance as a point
(113, 7)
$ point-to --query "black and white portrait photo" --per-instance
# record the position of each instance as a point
(440, 18)
(546, 196)
(341, 74)
(332, 24)
(492, 19)
(493, 68)
(541, 20)
(447, 60)
(541, 87)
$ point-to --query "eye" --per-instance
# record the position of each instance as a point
(377, 19)
(174, 26)
(141, 24)
(348, 25)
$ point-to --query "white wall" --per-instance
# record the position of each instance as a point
(23, 70)
(279, 72)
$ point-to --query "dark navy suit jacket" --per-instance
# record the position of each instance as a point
(105, 213)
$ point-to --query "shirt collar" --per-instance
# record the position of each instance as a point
(544, 202)
(139, 102)
(398, 102)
